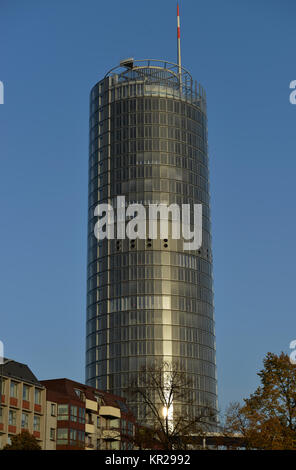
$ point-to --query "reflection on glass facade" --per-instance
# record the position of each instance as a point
(149, 299)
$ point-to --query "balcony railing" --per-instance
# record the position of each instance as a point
(111, 434)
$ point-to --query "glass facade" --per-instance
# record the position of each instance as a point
(149, 299)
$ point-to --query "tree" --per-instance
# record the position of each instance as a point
(23, 441)
(146, 438)
(166, 396)
(267, 420)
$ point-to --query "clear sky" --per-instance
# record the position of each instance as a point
(51, 54)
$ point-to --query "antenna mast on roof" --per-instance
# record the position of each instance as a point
(179, 43)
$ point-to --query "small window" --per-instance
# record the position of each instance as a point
(25, 392)
(63, 412)
(130, 428)
(37, 396)
(79, 393)
(13, 389)
(73, 437)
(53, 409)
(81, 415)
(62, 436)
(25, 421)
(52, 434)
(36, 423)
(12, 418)
(74, 413)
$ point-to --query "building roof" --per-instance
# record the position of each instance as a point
(61, 388)
(19, 371)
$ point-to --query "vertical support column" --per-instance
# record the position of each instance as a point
(108, 83)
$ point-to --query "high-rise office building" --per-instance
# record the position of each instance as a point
(149, 299)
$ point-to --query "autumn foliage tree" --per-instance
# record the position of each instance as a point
(23, 441)
(267, 420)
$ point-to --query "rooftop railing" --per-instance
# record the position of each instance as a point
(159, 78)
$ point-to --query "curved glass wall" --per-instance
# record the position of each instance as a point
(149, 299)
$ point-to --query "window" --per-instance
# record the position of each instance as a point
(62, 436)
(98, 421)
(2, 386)
(53, 409)
(36, 423)
(130, 428)
(81, 438)
(12, 418)
(13, 389)
(25, 420)
(123, 426)
(37, 396)
(88, 418)
(79, 393)
(52, 434)
(73, 437)
(115, 445)
(1, 415)
(81, 415)
(26, 392)
(115, 423)
(63, 412)
(74, 413)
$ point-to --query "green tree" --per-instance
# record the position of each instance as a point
(267, 420)
(23, 441)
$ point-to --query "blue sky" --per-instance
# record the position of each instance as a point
(51, 54)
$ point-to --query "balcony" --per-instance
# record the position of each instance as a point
(111, 434)
(89, 428)
(109, 412)
(91, 405)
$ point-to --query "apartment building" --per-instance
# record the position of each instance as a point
(82, 417)
(22, 402)
(60, 413)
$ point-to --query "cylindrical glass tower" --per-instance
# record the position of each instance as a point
(149, 299)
